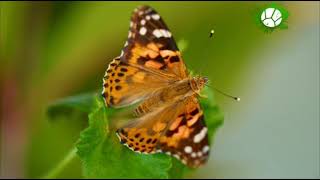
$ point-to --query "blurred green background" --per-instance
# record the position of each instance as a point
(51, 50)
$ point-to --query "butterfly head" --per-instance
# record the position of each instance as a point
(198, 82)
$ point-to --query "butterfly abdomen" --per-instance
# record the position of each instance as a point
(175, 92)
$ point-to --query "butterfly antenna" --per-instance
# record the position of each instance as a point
(206, 50)
(223, 93)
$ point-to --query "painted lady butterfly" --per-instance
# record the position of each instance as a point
(150, 70)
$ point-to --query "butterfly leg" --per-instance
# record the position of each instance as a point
(202, 96)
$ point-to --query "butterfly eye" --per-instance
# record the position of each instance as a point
(205, 79)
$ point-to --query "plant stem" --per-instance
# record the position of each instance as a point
(61, 165)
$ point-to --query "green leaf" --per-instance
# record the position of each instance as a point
(69, 106)
(104, 157)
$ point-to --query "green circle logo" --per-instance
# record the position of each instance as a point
(271, 17)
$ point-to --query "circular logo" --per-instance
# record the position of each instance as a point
(271, 17)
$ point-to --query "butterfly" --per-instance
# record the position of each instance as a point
(150, 72)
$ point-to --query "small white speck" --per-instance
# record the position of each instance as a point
(130, 34)
(188, 149)
(193, 155)
(148, 17)
(205, 149)
(143, 31)
(143, 22)
(168, 153)
(126, 44)
(155, 16)
(131, 24)
(140, 13)
(199, 154)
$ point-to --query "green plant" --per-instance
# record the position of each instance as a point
(101, 153)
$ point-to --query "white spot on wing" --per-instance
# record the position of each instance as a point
(193, 155)
(143, 31)
(205, 149)
(197, 138)
(188, 149)
(169, 33)
(165, 33)
(157, 33)
(143, 22)
(161, 33)
(152, 152)
(155, 16)
(148, 17)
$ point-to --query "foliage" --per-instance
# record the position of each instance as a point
(103, 156)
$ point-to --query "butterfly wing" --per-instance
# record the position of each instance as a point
(149, 61)
(124, 84)
(186, 138)
(150, 44)
(177, 129)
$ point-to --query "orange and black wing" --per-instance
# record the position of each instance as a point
(177, 129)
(149, 61)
